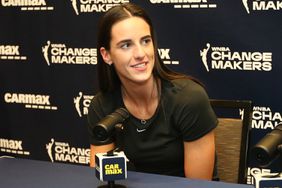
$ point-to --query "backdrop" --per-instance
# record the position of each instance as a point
(48, 66)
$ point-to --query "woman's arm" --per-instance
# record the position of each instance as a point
(99, 149)
(199, 157)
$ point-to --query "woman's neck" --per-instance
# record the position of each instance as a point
(141, 99)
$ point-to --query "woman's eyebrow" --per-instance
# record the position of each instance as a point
(123, 41)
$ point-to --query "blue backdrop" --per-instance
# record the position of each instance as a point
(48, 66)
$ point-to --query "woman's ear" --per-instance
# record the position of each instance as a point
(106, 56)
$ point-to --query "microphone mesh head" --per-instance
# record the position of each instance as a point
(104, 129)
(100, 133)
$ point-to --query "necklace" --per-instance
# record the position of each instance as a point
(143, 121)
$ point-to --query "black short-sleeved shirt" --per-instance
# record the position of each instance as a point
(183, 114)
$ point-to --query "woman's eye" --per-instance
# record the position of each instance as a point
(146, 41)
(125, 46)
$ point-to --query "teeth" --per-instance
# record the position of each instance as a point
(139, 65)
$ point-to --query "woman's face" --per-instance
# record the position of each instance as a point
(131, 50)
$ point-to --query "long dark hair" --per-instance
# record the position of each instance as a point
(107, 76)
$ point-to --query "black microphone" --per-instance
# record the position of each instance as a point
(268, 147)
(105, 127)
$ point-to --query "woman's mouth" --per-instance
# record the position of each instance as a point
(139, 65)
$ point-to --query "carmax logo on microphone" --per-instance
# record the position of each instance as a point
(111, 169)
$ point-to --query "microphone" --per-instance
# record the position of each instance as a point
(105, 127)
(269, 146)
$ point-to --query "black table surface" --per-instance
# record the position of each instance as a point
(24, 173)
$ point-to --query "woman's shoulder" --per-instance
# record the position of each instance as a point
(107, 96)
(185, 91)
(99, 98)
(182, 86)
(105, 101)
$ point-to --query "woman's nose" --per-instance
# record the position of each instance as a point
(139, 51)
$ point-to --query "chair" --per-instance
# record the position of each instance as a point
(231, 139)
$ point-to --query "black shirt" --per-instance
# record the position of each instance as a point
(156, 146)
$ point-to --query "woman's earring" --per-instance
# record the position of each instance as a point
(110, 63)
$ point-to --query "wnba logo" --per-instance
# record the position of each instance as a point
(45, 52)
(223, 58)
(49, 149)
(81, 103)
(264, 118)
(61, 54)
(74, 6)
(62, 151)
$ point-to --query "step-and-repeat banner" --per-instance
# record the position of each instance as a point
(48, 60)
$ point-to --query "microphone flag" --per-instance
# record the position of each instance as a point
(110, 167)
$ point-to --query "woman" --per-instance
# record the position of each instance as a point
(170, 128)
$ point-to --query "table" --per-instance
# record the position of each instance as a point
(24, 173)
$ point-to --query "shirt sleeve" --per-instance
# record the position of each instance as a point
(194, 115)
(95, 113)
